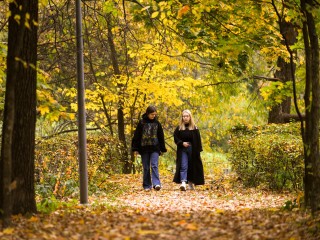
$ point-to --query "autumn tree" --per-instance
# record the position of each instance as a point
(164, 52)
(225, 28)
(309, 128)
(124, 69)
(18, 138)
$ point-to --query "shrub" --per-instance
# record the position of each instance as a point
(270, 155)
(57, 168)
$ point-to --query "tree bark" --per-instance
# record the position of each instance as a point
(307, 101)
(15, 36)
(312, 104)
(23, 141)
(17, 158)
(284, 74)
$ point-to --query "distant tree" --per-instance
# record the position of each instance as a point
(280, 113)
(18, 134)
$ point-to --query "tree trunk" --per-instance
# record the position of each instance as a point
(127, 168)
(307, 101)
(276, 114)
(312, 105)
(15, 36)
(18, 141)
(23, 141)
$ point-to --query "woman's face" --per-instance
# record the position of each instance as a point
(151, 116)
(186, 118)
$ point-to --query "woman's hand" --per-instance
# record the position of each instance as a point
(186, 144)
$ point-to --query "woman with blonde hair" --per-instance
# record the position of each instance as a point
(189, 167)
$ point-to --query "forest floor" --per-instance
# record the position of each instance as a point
(215, 210)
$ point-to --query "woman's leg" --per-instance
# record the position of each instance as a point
(154, 157)
(184, 171)
(184, 167)
(145, 158)
(189, 153)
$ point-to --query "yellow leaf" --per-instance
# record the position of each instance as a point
(72, 116)
(8, 231)
(35, 23)
(17, 18)
(181, 222)
(145, 8)
(49, 225)
(219, 211)
(74, 106)
(54, 117)
(154, 14)
(43, 109)
(146, 232)
(13, 185)
(142, 219)
(52, 100)
(27, 25)
(33, 219)
(273, 209)
(191, 226)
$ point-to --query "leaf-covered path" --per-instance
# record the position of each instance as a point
(213, 211)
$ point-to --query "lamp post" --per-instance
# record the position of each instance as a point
(82, 138)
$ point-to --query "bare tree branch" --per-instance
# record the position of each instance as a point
(271, 79)
(219, 83)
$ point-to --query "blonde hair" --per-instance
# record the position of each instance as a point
(192, 125)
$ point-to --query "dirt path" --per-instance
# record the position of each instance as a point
(206, 213)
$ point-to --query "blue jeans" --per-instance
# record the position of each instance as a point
(150, 159)
(185, 158)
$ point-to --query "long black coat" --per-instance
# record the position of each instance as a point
(195, 167)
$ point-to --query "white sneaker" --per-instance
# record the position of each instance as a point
(183, 186)
(157, 187)
(191, 186)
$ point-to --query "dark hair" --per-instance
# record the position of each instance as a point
(151, 109)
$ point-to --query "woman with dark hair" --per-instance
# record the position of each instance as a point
(189, 168)
(148, 141)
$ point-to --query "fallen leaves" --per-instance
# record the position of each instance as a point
(171, 214)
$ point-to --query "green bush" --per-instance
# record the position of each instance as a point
(270, 156)
(214, 164)
(57, 167)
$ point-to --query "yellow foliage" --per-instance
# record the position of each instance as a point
(154, 14)
(8, 231)
(43, 110)
(72, 116)
(33, 219)
(74, 106)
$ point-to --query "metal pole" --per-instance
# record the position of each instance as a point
(82, 138)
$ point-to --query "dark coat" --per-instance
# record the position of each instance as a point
(195, 167)
(158, 143)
